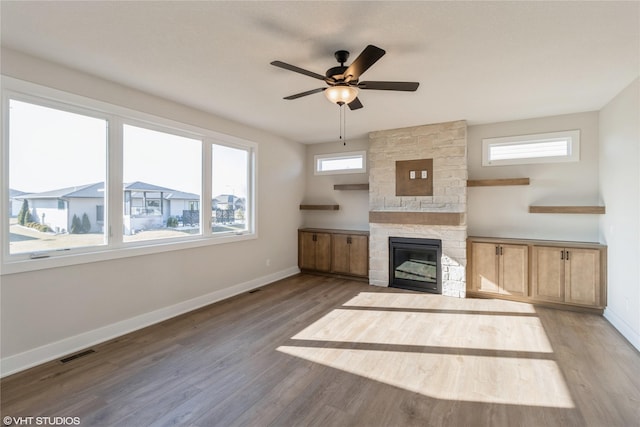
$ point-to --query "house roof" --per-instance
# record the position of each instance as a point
(97, 191)
(15, 193)
(143, 186)
(181, 195)
(82, 191)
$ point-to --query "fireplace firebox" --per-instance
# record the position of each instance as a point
(415, 264)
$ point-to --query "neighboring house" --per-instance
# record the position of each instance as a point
(146, 206)
(56, 208)
(228, 201)
(15, 202)
(227, 208)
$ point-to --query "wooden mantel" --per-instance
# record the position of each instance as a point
(419, 218)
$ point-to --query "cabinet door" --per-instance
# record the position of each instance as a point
(514, 270)
(306, 250)
(350, 254)
(314, 251)
(548, 273)
(582, 281)
(323, 251)
(340, 258)
(485, 267)
(359, 256)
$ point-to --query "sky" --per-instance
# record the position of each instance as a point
(52, 149)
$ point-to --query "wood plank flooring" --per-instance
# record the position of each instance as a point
(321, 351)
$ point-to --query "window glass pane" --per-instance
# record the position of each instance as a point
(528, 150)
(340, 163)
(162, 175)
(57, 170)
(229, 208)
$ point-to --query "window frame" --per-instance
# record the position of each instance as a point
(340, 156)
(571, 136)
(116, 117)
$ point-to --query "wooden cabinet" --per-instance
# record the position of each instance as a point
(350, 254)
(569, 275)
(500, 268)
(340, 252)
(314, 251)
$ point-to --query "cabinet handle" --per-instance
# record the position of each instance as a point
(567, 258)
(349, 240)
(497, 250)
(500, 250)
(315, 238)
(562, 255)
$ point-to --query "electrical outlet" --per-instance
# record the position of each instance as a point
(412, 174)
(424, 175)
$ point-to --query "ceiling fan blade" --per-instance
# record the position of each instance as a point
(301, 94)
(403, 86)
(366, 59)
(298, 70)
(355, 104)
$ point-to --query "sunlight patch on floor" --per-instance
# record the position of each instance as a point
(446, 348)
(486, 332)
(435, 302)
(513, 381)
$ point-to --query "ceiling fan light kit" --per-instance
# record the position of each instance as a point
(341, 94)
(343, 81)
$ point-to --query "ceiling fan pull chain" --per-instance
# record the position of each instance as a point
(344, 125)
(340, 123)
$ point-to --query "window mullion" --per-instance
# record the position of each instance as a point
(205, 199)
(115, 193)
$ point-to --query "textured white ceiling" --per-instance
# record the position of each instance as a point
(479, 61)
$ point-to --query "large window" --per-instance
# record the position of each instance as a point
(57, 169)
(77, 170)
(162, 182)
(230, 185)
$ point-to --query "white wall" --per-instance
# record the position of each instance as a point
(504, 211)
(620, 227)
(48, 313)
(354, 204)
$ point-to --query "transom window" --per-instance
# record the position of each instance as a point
(339, 163)
(525, 149)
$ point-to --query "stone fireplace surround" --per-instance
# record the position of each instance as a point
(441, 216)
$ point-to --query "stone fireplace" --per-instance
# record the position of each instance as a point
(440, 216)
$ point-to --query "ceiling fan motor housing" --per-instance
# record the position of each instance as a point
(337, 73)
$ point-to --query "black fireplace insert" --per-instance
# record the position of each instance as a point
(415, 264)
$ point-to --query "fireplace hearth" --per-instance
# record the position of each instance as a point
(414, 264)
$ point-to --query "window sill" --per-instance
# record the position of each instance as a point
(70, 258)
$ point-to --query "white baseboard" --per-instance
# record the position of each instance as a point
(623, 327)
(30, 358)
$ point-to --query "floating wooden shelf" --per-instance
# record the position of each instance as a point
(497, 182)
(319, 207)
(351, 187)
(597, 210)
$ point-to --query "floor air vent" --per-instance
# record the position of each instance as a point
(77, 356)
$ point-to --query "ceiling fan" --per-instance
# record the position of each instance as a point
(343, 82)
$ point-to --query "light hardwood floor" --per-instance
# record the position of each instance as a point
(313, 350)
